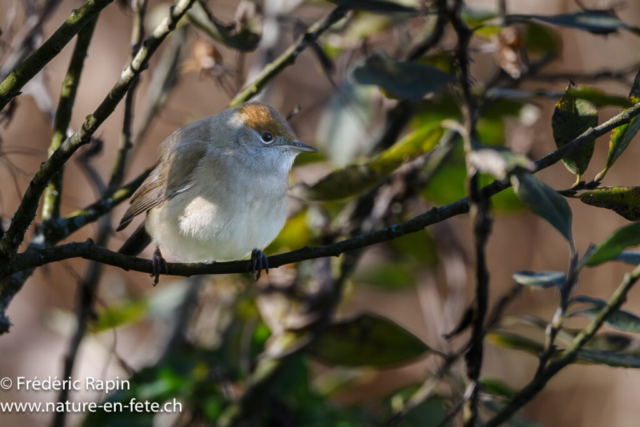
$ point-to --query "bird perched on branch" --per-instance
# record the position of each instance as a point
(218, 191)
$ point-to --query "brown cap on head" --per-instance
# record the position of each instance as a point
(262, 118)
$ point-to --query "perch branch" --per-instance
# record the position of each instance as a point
(88, 250)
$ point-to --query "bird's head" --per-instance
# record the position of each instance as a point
(265, 128)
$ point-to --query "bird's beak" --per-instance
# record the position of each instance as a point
(299, 146)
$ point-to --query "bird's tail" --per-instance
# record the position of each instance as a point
(136, 243)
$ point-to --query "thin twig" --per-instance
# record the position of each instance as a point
(78, 219)
(559, 317)
(137, 36)
(28, 38)
(53, 193)
(423, 392)
(164, 78)
(435, 35)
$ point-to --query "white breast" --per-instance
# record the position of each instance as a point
(224, 216)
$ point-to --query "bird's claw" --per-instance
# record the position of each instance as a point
(259, 261)
(158, 266)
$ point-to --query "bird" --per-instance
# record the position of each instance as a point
(218, 191)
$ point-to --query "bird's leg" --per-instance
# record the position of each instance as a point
(259, 261)
(159, 265)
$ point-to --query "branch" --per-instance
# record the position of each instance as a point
(87, 289)
(120, 164)
(164, 78)
(423, 393)
(64, 227)
(88, 250)
(289, 56)
(567, 356)
(29, 204)
(53, 194)
(11, 86)
(480, 218)
(27, 39)
(84, 312)
(434, 36)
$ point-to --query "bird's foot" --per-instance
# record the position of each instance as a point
(259, 261)
(158, 266)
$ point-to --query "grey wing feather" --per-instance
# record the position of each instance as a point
(166, 181)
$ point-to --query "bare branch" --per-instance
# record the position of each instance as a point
(53, 194)
(137, 36)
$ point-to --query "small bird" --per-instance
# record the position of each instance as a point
(218, 192)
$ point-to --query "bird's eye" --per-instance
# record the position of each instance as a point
(267, 137)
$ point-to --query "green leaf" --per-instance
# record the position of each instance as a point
(477, 17)
(420, 247)
(498, 161)
(356, 178)
(545, 202)
(382, 6)
(541, 40)
(608, 341)
(514, 341)
(295, 234)
(120, 314)
(621, 239)
(401, 79)
(621, 136)
(517, 342)
(620, 319)
(387, 276)
(629, 257)
(497, 387)
(609, 358)
(571, 118)
(594, 21)
(540, 280)
(368, 340)
(625, 201)
(448, 185)
(599, 98)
